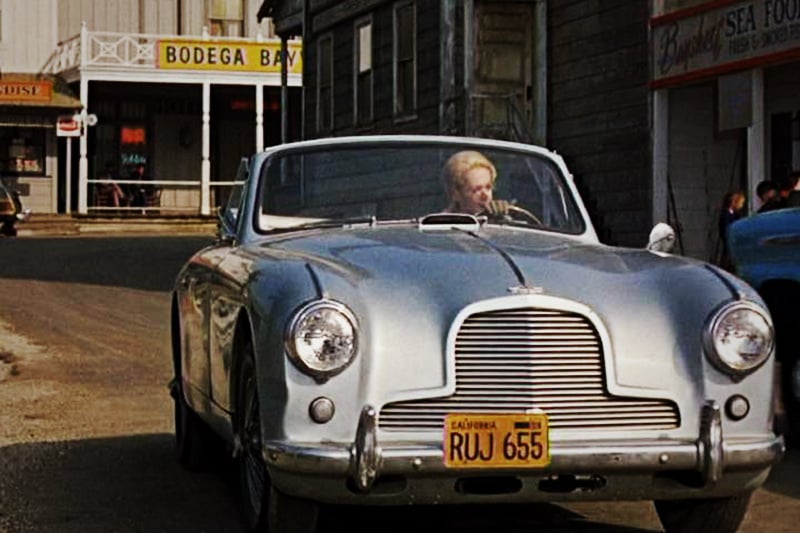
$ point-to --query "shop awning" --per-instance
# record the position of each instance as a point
(39, 91)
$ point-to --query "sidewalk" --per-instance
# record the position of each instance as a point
(82, 225)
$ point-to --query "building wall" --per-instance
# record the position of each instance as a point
(598, 110)
(26, 34)
(428, 53)
(167, 17)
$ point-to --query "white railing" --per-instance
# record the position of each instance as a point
(66, 56)
(114, 49)
(156, 196)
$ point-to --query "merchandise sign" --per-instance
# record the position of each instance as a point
(736, 36)
(68, 126)
(228, 56)
(25, 91)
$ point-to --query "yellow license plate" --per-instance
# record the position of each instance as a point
(496, 440)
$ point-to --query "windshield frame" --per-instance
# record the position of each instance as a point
(582, 224)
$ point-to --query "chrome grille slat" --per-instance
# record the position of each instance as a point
(510, 361)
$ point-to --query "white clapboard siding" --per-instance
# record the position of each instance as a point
(27, 36)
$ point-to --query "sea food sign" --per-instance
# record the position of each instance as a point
(706, 42)
(228, 56)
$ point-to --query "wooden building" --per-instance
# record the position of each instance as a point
(570, 75)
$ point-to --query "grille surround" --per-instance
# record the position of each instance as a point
(515, 360)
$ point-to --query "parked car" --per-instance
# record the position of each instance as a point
(11, 210)
(765, 250)
(360, 335)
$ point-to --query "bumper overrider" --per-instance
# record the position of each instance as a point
(368, 472)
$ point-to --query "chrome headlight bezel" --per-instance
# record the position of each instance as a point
(302, 318)
(755, 317)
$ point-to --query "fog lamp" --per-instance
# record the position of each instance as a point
(737, 407)
(321, 410)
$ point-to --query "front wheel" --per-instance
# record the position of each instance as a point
(264, 508)
(718, 515)
(195, 444)
(790, 389)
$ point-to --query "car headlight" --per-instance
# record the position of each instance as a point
(739, 338)
(322, 338)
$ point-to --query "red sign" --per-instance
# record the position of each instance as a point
(67, 126)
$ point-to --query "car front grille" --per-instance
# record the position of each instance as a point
(511, 361)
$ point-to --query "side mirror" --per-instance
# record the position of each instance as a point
(662, 238)
(226, 224)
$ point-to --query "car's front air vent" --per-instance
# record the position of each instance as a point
(510, 361)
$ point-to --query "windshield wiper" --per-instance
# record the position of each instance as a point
(327, 223)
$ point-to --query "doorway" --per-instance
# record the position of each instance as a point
(502, 96)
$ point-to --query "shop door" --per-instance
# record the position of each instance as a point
(502, 99)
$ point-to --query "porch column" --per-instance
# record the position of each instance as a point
(205, 166)
(83, 162)
(259, 117)
(660, 169)
(756, 164)
(284, 92)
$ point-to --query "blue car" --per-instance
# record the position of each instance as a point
(765, 250)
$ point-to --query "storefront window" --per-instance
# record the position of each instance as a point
(22, 151)
(133, 146)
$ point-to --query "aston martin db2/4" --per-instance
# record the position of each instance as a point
(410, 319)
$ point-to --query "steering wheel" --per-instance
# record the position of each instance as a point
(515, 212)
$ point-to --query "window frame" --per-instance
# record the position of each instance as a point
(359, 118)
(410, 110)
(29, 155)
(322, 127)
(225, 23)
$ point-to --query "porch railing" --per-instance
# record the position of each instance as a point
(105, 49)
(170, 197)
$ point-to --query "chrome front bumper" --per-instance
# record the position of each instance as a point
(721, 466)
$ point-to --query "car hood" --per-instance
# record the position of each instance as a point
(406, 286)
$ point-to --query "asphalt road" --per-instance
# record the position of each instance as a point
(86, 421)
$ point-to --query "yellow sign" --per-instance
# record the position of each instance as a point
(485, 440)
(228, 56)
(25, 91)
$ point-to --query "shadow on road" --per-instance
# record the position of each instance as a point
(133, 484)
(146, 263)
(785, 475)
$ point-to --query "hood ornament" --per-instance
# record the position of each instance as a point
(526, 289)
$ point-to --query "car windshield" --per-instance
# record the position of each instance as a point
(402, 181)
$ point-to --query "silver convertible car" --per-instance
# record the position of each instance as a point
(396, 320)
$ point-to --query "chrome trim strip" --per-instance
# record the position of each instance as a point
(590, 457)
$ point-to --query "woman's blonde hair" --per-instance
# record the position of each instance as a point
(459, 164)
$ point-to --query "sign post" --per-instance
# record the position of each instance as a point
(68, 126)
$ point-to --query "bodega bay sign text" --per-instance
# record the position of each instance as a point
(712, 41)
(228, 56)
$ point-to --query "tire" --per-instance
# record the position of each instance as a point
(264, 508)
(8, 229)
(790, 395)
(721, 515)
(195, 444)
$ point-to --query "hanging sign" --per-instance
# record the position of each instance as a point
(228, 56)
(68, 126)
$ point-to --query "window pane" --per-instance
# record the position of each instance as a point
(225, 9)
(405, 32)
(325, 62)
(22, 151)
(365, 47)
(325, 108)
(407, 85)
(365, 97)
